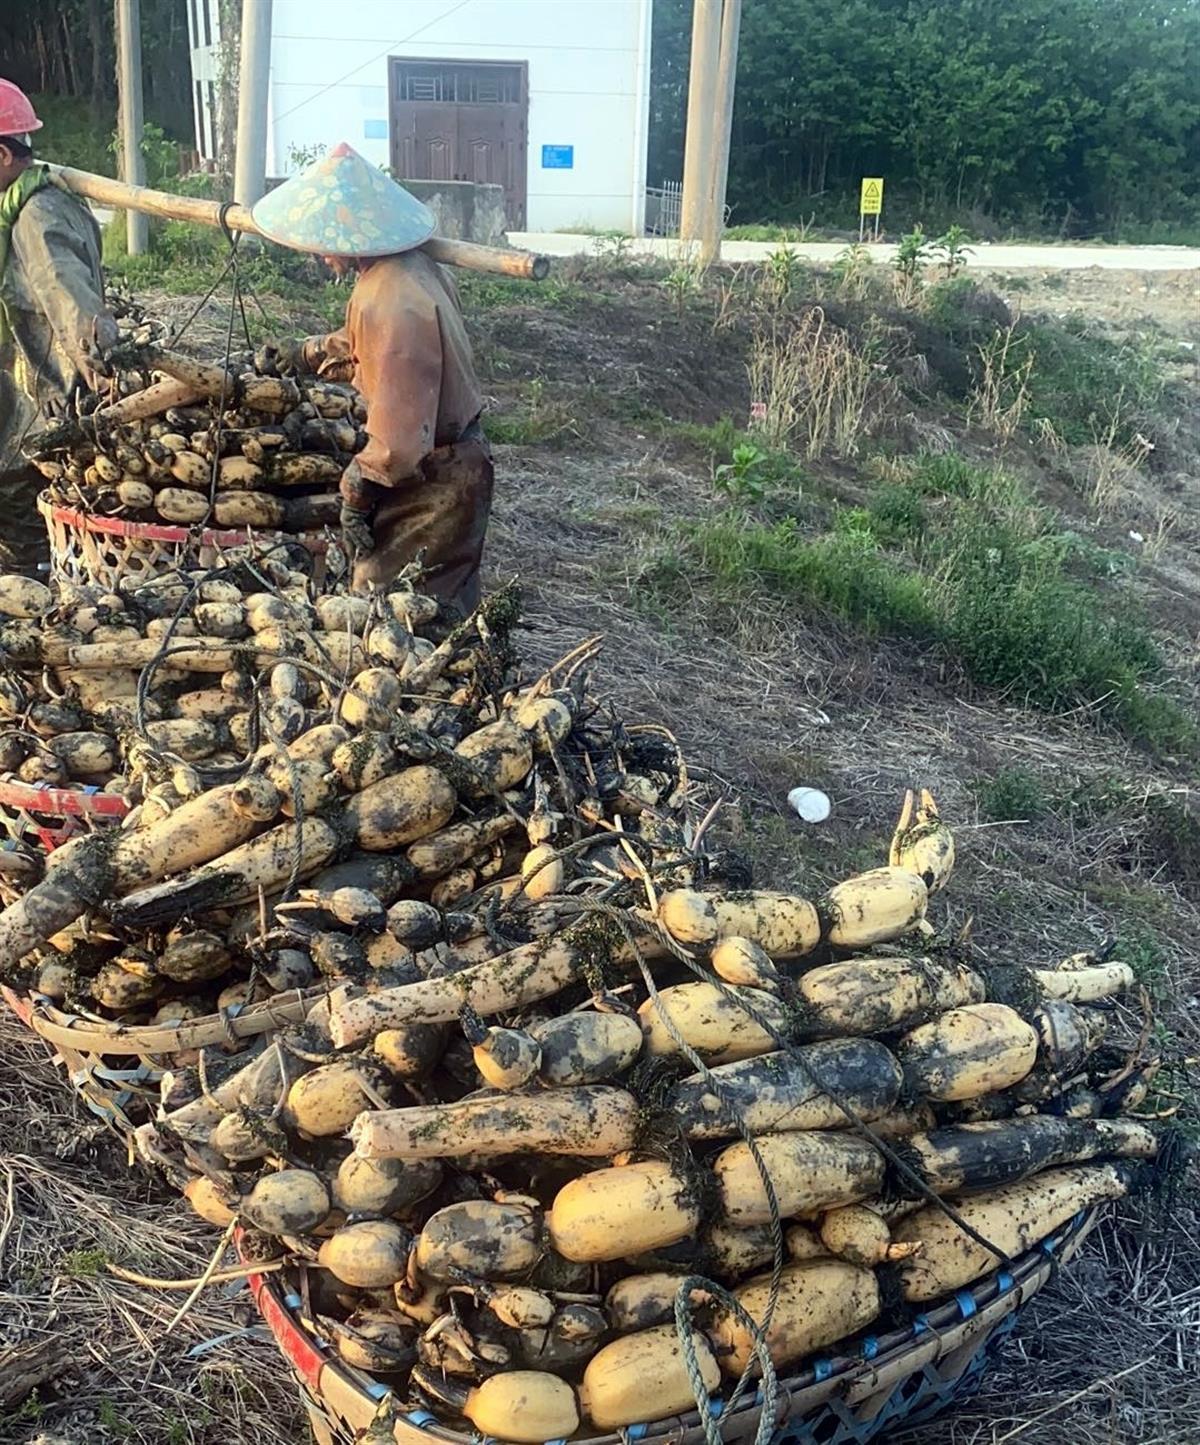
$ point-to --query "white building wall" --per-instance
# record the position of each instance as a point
(588, 88)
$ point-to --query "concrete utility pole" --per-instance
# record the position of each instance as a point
(129, 100)
(714, 216)
(701, 118)
(254, 91)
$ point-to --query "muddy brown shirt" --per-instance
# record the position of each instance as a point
(405, 347)
(54, 288)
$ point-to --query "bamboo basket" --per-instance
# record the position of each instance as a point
(89, 550)
(115, 1068)
(902, 1377)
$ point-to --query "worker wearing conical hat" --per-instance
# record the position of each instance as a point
(53, 319)
(423, 481)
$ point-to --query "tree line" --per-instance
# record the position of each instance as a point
(1074, 116)
(67, 48)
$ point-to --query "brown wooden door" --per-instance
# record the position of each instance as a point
(459, 121)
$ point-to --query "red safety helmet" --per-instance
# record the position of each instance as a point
(17, 116)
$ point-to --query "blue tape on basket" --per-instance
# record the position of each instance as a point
(234, 1009)
(920, 1324)
(1004, 1281)
(966, 1303)
(89, 788)
(421, 1418)
(377, 1391)
(1048, 1246)
(561, 1441)
(637, 1432)
(822, 1369)
(121, 1076)
(293, 1301)
(715, 1406)
(870, 1347)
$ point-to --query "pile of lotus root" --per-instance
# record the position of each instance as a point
(509, 1053)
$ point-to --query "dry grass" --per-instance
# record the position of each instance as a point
(68, 1206)
(819, 393)
(1001, 395)
(1113, 465)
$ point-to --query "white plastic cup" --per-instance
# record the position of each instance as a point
(812, 805)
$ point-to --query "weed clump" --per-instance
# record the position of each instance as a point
(959, 555)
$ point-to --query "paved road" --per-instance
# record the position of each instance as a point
(984, 256)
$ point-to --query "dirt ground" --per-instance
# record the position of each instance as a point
(761, 700)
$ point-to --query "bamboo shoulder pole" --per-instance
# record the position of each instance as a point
(107, 192)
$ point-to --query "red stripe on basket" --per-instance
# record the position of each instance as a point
(22, 1007)
(298, 1350)
(67, 802)
(158, 532)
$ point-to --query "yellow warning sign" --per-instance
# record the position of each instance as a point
(871, 201)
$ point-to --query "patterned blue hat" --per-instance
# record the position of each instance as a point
(342, 205)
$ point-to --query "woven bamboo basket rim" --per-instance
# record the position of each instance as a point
(878, 1366)
(102, 1036)
(314, 542)
(85, 801)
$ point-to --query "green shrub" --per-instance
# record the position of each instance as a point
(1087, 386)
(1010, 794)
(895, 513)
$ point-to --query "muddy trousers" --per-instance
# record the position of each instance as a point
(24, 546)
(444, 513)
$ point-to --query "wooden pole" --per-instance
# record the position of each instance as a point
(254, 91)
(106, 192)
(129, 99)
(698, 144)
(714, 219)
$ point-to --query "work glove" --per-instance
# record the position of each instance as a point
(359, 499)
(287, 357)
(95, 362)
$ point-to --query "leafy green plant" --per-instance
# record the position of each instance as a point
(913, 254)
(780, 273)
(681, 283)
(851, 270)
(952, 244)
(743, 478)
(300, 157)
(84, 1263)
(615, 247)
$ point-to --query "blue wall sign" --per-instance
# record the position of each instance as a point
(375, 130)
(558, 158)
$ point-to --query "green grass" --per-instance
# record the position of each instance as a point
(536, 420)
(761, 231)
(842, 573)
(1011, 794)
(1088, 386)
(958, 555)
(84, 1263)
(1140, 946)
(482, 292)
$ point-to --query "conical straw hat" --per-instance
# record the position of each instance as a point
(344, 206)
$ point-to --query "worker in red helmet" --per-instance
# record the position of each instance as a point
(54, 325)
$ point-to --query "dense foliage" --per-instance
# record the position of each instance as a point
(1079, 116)
(67, 48)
